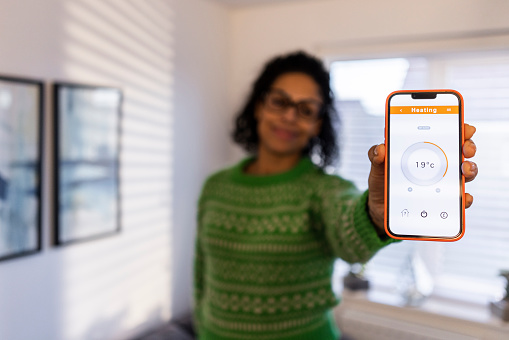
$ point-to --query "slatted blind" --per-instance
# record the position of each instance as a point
(484, 250)
(467, 269)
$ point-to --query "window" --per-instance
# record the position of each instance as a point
(467, 269)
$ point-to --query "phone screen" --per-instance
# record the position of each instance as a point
(424, 180)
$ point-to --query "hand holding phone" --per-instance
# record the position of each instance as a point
(424, 183)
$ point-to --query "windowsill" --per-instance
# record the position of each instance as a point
(434, 311)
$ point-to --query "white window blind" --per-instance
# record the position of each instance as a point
(467, 269)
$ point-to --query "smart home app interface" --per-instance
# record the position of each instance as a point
(424, 168)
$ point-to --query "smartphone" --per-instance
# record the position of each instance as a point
(424, 184)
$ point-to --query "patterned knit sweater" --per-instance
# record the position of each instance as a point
(265, 251)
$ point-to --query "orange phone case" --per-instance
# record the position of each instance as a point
(462, 131)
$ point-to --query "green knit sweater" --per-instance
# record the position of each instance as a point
(265, 251)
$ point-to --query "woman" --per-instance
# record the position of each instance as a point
(270, 228)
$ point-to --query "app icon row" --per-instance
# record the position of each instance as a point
(424, 214)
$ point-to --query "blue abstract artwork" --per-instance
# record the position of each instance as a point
(87, 161)
(21, 106)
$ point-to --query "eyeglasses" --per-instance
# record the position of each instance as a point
(279, 102)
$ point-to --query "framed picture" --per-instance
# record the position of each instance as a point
(87, 148)
(21, 106)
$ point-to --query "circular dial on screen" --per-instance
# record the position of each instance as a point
(424, 163)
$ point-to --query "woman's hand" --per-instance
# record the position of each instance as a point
(376, 179)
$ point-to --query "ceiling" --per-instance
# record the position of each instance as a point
(245, 3)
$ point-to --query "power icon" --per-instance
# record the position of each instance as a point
(424, 214)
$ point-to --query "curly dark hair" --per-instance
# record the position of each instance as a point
(324, 145)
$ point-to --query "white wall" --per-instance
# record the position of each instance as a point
(201, 126)
(170, 59)
(339, 28)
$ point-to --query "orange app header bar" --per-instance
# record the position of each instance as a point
(425, 109)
